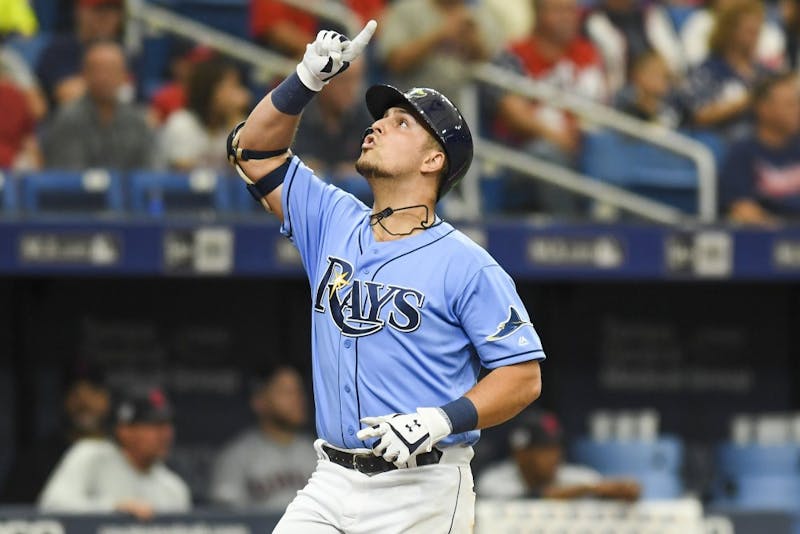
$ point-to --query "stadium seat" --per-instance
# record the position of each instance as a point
(626, 162)
(763, 492)
(30, 48)
(8, 192)
(663, 456)
(155, 193)
(230, 16)
(752, 459)
(659, 486)
(71, 191)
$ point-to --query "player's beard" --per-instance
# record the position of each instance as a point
(371, 169)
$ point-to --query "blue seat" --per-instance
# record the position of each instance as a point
(8, 192)
(155, 193)
(659, 486)
(30, 48)
(71, 191)
(762, 492)
(663, 456)
(641, 167)
(736, 460)
(230, 16)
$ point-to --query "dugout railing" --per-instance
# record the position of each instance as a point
(145, 18)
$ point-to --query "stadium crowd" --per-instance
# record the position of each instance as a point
(83, 101)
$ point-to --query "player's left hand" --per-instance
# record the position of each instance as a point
(330, 54)
(404, 436)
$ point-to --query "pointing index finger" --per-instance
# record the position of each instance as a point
(359, 42)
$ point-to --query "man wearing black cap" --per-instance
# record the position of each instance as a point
(125, 475)
(536, 469)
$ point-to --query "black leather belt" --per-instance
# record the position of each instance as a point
(369, 464)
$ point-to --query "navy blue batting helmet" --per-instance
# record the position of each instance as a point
(439, 115)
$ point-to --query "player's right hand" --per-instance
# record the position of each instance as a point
(138, 509)
(330, 54)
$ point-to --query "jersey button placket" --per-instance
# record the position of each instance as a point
(347, 343)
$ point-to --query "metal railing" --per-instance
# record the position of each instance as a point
(159, 19)
(610, 118)
(156, 18)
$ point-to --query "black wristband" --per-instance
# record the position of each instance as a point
(291, 96)
(462, 414)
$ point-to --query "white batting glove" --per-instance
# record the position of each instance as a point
(404, 436)
(330, 54)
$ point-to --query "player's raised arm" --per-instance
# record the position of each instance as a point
(259, 147)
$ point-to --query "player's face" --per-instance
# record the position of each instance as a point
(397, 147)
(147, 442)
(86, 406)
(781, 109)
(283, 400)
(539, 464)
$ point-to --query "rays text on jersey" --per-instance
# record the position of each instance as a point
(357, 306)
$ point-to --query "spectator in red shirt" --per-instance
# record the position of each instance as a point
(288, 29)
(16, 129)
(555, 53)
(281, 27)
(172, 96)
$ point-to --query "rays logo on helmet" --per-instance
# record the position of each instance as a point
(509, 326)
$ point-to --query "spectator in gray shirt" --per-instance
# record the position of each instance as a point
(265, 466)
(125, 475)
(99, 130)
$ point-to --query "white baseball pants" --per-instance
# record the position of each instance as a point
(433, 499)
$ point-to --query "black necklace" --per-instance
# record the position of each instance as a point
(378, 219)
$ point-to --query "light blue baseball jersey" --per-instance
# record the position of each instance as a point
(401, 324)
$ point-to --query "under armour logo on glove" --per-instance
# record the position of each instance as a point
(330, 54)
(404, 436)
(410, 428)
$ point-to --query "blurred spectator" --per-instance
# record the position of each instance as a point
(623, 30)
(172, 96)
(696, 35)
(15, 70)
(556, 54)
(431, 43)
(127, 474)
(760, 180)
(266, 466)
(287, 29)
(59, 66)
(650, 95)
(790, 21)
(17, 16)
(18, 147)
(537, 468)
(281, 27)
(98, 130)
(719, 89)
(330, 133)
(216, 101)
(85, 412)
(516, 18)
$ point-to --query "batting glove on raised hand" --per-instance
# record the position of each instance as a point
(330, 54)
(404, 436)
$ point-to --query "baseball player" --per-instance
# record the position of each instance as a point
(405, 309)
